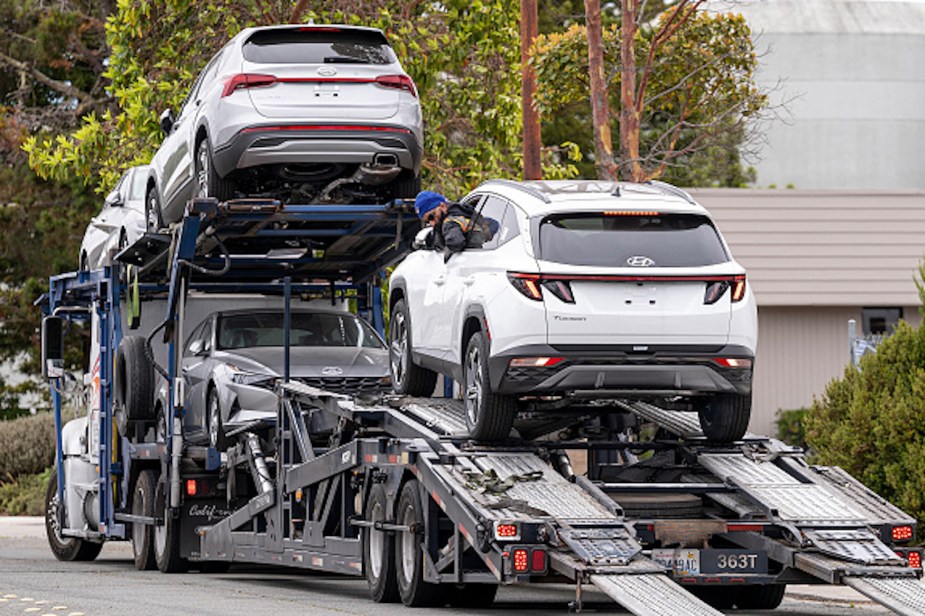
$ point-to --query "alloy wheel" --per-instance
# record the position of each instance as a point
(473, 384)
(398, 350)
(202, 175)
(215, 420)
(376, 541)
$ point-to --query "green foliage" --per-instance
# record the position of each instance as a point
(791, 426)
(28, 445)
(700, 95)
(25, 495)
(871, 421)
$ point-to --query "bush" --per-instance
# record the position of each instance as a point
(28, 446)
(871, 422)
(25, 495)
(791, 426)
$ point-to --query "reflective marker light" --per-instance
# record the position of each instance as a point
(915, 559)
(902, 533)
(506, 531)
(539, 561)
(521, 561)
(733, 362)
(535, 362)
(191, 487)
(738, 288)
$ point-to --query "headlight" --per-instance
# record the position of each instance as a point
(254, 379)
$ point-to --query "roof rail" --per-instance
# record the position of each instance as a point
(533, 192)
(671, 189)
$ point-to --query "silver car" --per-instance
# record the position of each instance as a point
(119, 223)
(232, 360)
(305, 114)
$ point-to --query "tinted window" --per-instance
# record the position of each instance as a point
(196, 335)
(139, 183)
(669, 240)
(307, 329)
(492, 213)
(299, 46)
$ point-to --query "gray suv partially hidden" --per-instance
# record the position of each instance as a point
(304, 114)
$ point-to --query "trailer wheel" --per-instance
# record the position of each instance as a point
(379, 550)
(409, 552)
(719, 598)
(167, 535)
(489, 416)
(143, 534)
(766, 597)
(407, 377)
(473, 595)
(724, 417)
(64, 548)
(135, 379)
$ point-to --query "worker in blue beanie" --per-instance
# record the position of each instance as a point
(456, 225)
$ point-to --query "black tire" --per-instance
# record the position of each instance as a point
(167, 535)
(408, 378)
(160, 425)
(154, 216)
(208, 182)
(214, 426)
(134, 380)
(84, 263)
(143, 534)
(407, 186)
(64, 548)
(489, 416)
(473, 596)
(724, 417)
(721, 598)
(409, 556)
(214, 566)
(379, 550)
(766, 597)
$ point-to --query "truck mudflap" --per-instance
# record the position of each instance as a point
(903, 595)
(651, 594)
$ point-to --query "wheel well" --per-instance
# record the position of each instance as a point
(201, 135)
(472, 325)
(396, 295)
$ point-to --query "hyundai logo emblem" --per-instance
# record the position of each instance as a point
(640, 261)
(327, 71)
(332, 371)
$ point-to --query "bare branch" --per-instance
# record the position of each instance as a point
(42, 78)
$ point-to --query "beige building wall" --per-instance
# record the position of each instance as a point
(800, 349)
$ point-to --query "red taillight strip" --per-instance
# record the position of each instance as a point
(325, 80)
(622, 278)
(332, 127)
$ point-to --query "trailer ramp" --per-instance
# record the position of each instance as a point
(904, 595)
(652, 595)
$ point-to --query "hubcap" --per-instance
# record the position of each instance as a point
(214, 420)
(203, 175)
(473, 385)
(398, 350)
(408, 547)
(153, 223)
(376, 542)
(138, 530)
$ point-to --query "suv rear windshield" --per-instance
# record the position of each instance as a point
(617, 239)
(310, 46)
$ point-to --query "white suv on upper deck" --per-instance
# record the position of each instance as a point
(586, 290)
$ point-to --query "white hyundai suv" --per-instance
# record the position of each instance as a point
(586, 290)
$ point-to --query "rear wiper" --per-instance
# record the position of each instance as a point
(343, 60)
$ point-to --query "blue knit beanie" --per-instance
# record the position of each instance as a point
(426, 201)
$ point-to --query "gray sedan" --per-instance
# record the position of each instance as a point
(233, 359)
(119, 223)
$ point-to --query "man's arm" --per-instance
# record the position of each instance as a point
(454, 236)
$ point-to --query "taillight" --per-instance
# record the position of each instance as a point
(535, 362)
(521, 560)
(714, 291)
(902, 533)
(402, 82)
(243, 81)
(915, 559)
(738, 288)
(506, 531)
(733, 362)
(561, 289)
(527, 284)
(528, 560)
(191, 487)
(538, 561)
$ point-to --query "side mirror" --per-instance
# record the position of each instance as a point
(196, 347)
(52, 347)
(114, 199)
(424, 239)
(167, 121)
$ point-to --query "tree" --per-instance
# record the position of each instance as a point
(694, 92)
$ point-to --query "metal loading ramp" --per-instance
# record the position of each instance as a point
(904, 595)
(652, 595)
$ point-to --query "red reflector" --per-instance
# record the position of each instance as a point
(915, 560)
(738, 288)
(247, 80)
(713, 580)
(744, 528)
(191, 487)
(535, 362)
(539, 561)
(333, 127)
(733, 362)
(506, 531)
(902, 533)
(521, 561)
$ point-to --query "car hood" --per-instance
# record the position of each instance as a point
(310, 361)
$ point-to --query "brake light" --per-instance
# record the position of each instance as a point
(714, 292)
(902, 533)
(243, 81)
(191, 488)
(506, 531)
(402, 82)
(535, 362)
(538, 558)
(915, 559)
(738, 288)
(625, 213)
(734, 362)
(521, 560)
(318, 29)
(527, 284)
(561, 289)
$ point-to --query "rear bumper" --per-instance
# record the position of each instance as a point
(598, 369)
(273, 145)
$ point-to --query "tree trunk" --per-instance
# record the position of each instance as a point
(629, 112)
(533, 144)
(600, 107)
(297, 11)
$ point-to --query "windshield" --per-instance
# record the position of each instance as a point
(321, 329)
(618, 239)
(139, 183)
(321, 46)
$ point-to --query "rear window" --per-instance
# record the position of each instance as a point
(298, 46)
(620, 240)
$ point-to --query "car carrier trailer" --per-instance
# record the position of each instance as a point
(390, 488)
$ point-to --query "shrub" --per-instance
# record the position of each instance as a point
(27, 446)
(871, 422)
(24, 495)
(791, 426)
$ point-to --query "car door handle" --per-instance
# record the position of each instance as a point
(439, 280)
(469, 281)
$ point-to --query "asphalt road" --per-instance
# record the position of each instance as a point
(32, 582)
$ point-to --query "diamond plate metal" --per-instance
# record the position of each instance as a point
(781, 494)
(652, 595)
(904, 596)
(682, 423)
(601, 546)
(442, 415)
(875, 508)
(859, 546)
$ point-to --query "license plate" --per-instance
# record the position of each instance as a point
(734, 561)
(681, 561)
